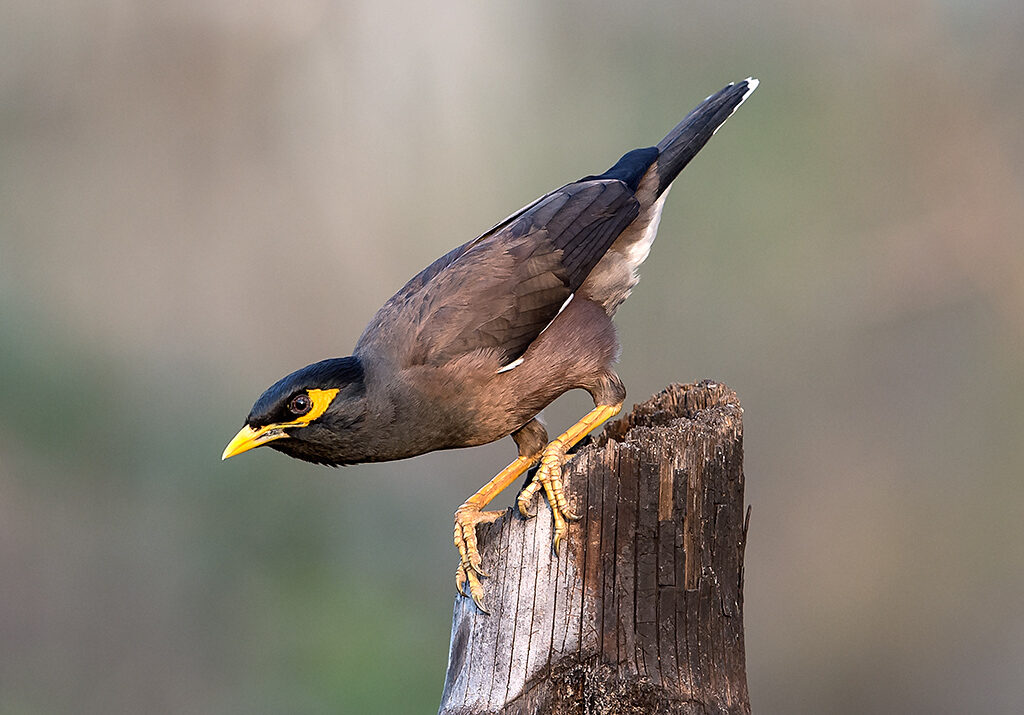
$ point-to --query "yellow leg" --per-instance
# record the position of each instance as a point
(549, 475)
(469, 515)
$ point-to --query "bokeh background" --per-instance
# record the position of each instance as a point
(198, 197)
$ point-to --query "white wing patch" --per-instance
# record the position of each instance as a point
(519, 361)
(511, 366)
(567, 301)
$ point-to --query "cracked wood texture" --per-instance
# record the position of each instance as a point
(642, 612)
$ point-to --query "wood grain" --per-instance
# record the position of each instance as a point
(642, 612)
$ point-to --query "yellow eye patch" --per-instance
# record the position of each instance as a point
(322, 399)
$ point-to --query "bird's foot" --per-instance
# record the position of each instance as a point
(469, 572)
(549, 476)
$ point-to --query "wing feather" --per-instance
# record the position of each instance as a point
(500, 290)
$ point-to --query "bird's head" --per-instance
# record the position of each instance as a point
(312, 414)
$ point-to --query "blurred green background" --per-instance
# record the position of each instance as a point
(198, 197)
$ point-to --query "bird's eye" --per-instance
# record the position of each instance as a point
(300, 404)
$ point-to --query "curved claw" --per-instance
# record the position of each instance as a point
(460, 580)
(469, 570)
(478, 596)
(476, 590)
(525, 497)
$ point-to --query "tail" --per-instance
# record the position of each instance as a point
(651, 171)
(690, 135)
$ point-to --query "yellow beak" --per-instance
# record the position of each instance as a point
(248, 438)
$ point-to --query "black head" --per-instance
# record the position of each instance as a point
(313, 414)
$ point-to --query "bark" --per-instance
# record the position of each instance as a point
(642, 611)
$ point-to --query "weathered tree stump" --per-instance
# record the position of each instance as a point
(642, 612)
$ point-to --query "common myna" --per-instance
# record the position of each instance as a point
(479, 342)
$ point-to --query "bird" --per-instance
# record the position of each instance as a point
(474, 346)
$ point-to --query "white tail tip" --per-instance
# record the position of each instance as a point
(751, 86)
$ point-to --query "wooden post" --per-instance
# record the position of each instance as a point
(642, 612)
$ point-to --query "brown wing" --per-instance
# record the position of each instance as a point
(500, 290)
